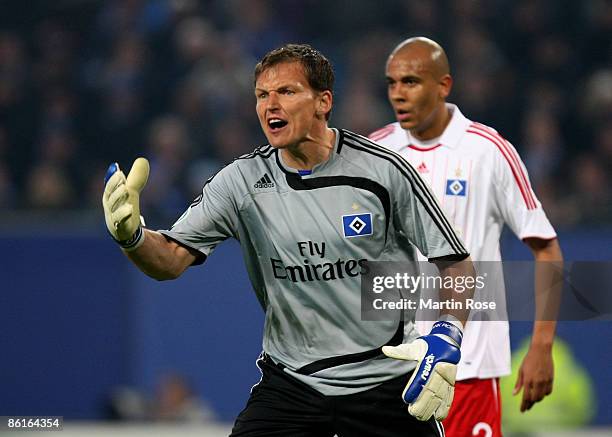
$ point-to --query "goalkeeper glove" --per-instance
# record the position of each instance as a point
(121, 202)
(429, 391)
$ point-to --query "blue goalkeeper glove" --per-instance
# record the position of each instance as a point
(431, 387)
(121, 202)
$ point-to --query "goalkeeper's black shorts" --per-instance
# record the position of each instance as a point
(280, 405)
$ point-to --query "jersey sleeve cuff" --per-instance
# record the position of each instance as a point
(201, 256)
(451, 257)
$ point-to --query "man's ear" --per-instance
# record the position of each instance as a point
(445, 84)
(325, 102)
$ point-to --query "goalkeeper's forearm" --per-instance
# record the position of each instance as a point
(161, 258)
(456, 270)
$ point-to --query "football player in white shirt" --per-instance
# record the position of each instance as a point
(481, 184)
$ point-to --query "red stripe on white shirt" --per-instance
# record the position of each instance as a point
(381, 133)
(513, 155)
(524, 188)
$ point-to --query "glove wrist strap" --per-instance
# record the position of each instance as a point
(133, 243)
(448, 329)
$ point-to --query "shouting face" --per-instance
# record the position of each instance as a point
(288, 108)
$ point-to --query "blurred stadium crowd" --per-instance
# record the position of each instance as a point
(87, 82)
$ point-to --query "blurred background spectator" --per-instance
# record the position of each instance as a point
(174, 400)
(84, 83)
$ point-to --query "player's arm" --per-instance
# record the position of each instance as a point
(536, 373)
(154, 254)
(523, 213)
(430, 389)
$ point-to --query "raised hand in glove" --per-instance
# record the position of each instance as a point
(429, 392)
(121, 202)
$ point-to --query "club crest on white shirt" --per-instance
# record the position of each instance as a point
(456, 187)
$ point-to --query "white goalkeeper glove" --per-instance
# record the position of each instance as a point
(121, 202)
(430, 389)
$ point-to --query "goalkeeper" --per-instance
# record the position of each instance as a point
(310, 209)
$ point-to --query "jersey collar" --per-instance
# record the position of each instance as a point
(451, 135)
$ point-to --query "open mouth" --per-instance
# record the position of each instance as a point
(402, 114)
(276, 124)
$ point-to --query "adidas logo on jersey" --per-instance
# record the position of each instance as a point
(422, 168)
(264, 182)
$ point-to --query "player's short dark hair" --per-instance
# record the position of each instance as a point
(319, 71)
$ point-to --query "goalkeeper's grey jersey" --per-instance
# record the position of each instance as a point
(304, 240)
